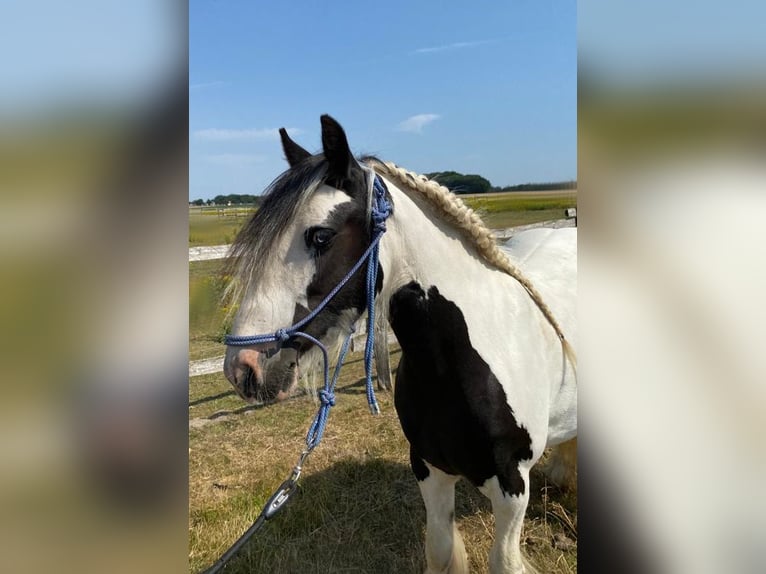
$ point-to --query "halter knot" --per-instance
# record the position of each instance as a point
(381, 207)
(326, 397)
(282, 336)
(379, 221)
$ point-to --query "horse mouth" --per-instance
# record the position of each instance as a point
(271, 396)
(256, 392)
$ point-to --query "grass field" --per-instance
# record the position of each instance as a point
(210, 228)
(206, 315)
(499, 210)
(358, 508)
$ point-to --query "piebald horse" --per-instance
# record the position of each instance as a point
(486, 379)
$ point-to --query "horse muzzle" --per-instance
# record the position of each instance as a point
(257, 375)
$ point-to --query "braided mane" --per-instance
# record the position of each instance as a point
(474, 229)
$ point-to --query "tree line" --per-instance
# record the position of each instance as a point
(471, 183)
(456, 182)
(547, 186)
(230, 199)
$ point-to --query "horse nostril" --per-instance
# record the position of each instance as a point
(242, 368)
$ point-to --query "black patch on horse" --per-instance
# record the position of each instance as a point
(452, 408)
(352, 237)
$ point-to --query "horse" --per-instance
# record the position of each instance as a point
(487, 375)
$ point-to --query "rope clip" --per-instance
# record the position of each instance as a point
(281, 496)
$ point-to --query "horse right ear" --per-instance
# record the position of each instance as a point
(336, 150)
(293, 152)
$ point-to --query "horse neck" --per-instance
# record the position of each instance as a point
(420, 246)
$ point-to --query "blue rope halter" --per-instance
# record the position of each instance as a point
(381, 210)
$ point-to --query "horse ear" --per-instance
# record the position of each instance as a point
(293, 152)
(336, 148)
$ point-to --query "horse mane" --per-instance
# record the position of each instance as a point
(252, 246)
(467, 220)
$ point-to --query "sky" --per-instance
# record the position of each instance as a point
(698, 41)
(105, 51)
(485, 87)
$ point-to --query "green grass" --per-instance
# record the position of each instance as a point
(498, 211)
(206, 313)
(509, 202)
(511, 209)
(208, 228)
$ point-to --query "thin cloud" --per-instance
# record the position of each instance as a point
(203, 85)
(415, 124)
(453, 46)
(216, 134)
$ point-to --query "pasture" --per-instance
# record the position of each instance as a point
(211, 226)
(501, 210)
(215, 227)
(358, 508)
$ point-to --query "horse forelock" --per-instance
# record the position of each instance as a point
(285, 197)
(254, 245)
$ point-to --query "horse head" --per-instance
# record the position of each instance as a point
(312, 227)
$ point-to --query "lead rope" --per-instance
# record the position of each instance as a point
(379, 212)
(381, 209)
(313, 438)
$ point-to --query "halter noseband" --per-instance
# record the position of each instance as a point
(380, 211)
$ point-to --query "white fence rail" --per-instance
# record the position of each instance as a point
(209, 252)
(206, 366)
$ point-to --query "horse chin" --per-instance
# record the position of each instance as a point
(283, 394)
(283, 387)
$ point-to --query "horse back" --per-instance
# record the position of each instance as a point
(548, 258)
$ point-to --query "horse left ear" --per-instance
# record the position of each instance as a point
(336, 148)
(293, 152)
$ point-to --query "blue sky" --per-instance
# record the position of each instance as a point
(485, 87)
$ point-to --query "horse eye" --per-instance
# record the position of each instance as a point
(319, 237)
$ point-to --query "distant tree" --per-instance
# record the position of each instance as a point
(460, 183)
(198, 202)
(249, 199)
(237, 199)
(546, 186)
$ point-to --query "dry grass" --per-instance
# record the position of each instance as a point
(358, 508)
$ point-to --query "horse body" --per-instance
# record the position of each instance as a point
(503, 325)
(476, 352)
(483, 384)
